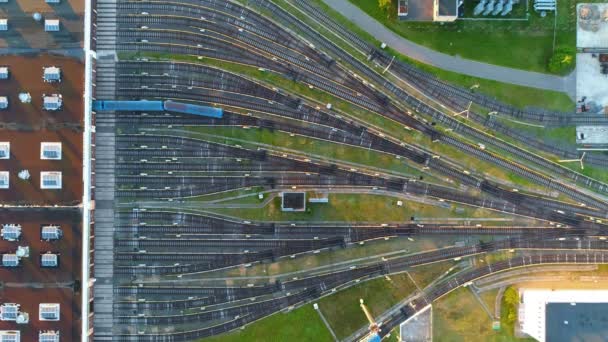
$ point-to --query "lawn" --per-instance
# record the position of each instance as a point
(458, 317)
(302, 324)
(355, 208)
(342, 309)
(524, 44)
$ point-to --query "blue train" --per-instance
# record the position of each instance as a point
(158, 106)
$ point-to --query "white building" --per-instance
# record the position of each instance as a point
(532, 310)
(51, 25)
(5, 150)
(49, 233)
(48, 336)
(50, 180)
(48, 312)
(49, 260)
(10, 260)
(50, 150)
(4, 179)
(10, 336)
(51, 74)
(52, 102)
(11, 232)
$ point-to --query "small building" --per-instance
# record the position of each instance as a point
(11, 232)
(50, 150)
(48, 312)
(52, 102)
(428, 10)
(10, 260)
(10, 336)
(50, 180)
(48, 336)
(51, 25)
(293, 201)
(318, 197)
(9, 312)
(50, 233)
(4, 179)
(5, 150)
(3, 24)
(3, 73)
(3, 102)
(49, 260)
(51, 74)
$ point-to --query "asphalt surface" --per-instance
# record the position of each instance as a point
(452, 63)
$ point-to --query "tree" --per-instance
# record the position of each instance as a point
(511, 297)
(562, 60)
(385, 5)
(511, 316)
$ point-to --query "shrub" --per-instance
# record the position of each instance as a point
(562, 60)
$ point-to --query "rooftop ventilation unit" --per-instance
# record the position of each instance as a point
(3, 73)
(5, 150)
(51, 74)
(49, 233)
(48, 312)
(52, 102)
(51, 25)
(50, 180)
(4, 179)
(50, 150)
(11, 232)
(3, 102)
(10, 336)
(48, 336)
(22, 252)
(49, 260)
(3, 24)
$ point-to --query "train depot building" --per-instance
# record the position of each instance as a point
(41, 169)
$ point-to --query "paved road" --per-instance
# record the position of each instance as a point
(453, 63)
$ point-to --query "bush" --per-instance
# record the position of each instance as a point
(386, 6)
(562, 60)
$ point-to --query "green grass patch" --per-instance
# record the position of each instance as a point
(459, 317)
(354, 208)
(342, 309)
(225, 194)
(302, 324)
